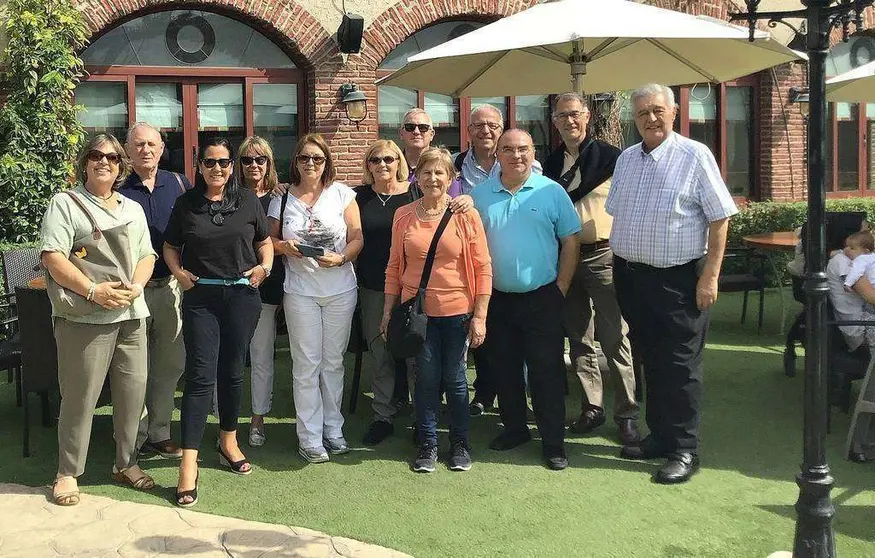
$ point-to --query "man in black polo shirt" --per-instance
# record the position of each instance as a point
(156, 191)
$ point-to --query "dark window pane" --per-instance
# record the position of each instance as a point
(739, 139)
(848, 146)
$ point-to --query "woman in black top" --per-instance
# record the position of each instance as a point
(217, 247)
(385, 189)
(255, 166)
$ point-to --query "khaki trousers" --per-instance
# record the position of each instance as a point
(86, 354)
(591, 312)
(166, 360)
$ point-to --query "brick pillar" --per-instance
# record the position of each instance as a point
(782, 154)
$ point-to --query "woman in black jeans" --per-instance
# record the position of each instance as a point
(217, 247)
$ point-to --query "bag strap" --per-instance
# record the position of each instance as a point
(283, 209)
(179, 180)
(432, 250)
(96, 233)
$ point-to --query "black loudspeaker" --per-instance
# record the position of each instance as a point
(349, 34)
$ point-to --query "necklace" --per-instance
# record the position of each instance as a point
(431, 214)
(382, 201)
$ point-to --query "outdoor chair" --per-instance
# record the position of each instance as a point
(39, 357)
(357, 346)
(751, 276)
(19, 266)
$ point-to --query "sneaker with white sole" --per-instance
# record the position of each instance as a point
(460, 457)
(336, 446)
(426, 459)
(313, 455)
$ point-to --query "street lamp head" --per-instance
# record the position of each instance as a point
(800, 95)
(354, 102)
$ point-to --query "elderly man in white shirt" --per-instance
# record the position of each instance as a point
(671, 212)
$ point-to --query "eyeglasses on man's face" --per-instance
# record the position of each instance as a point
(423, 128)
(522, 150)
(388, 159)
(574, 114)
(317, 159)
(223, 163)
(95, 156)
(491, 125)
(259, 160)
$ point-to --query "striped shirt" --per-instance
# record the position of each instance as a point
(663, 201)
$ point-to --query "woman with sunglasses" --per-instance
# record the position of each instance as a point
(322, 234)
(385, 189)
(217, 247)
(100, 327)
(255, 166)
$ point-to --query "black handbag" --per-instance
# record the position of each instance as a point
(405, 334)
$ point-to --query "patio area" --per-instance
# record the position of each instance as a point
(740, 504)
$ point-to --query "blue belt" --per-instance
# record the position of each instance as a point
(223, 282)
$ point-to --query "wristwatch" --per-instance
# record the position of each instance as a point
(266, 270)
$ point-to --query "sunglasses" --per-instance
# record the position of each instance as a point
(259, 160)
(388, 159)
(210, 163)
(317, 159)
(96, 156)
(423, 128)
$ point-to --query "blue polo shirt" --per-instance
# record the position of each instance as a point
(523, 230)
(157, 205)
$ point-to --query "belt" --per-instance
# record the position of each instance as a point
(644, 268)
(223, 282)
(160, 282)
(595, 246)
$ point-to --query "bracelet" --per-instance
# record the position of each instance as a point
(90, 296)
(266, 270)
(342, 259)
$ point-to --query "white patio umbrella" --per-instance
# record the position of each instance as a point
(856, 86)
(600, 45)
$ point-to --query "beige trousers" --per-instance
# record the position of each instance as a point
(166, 361)
(87, 353)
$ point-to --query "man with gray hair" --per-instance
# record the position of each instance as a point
(671, 213)
(156, 191)
(583, 166)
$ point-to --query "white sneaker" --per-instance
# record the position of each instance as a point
(256, 437)
(313, 455)
(336, 446)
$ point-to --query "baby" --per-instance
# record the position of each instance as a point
(859, 248)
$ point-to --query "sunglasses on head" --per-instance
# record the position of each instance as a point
(259, 160)
(210, 163)
(423, 128)
(317, 159)
(96, 156)
(388, 159)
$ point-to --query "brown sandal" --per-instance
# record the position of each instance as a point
(144, 482)
(66, 498)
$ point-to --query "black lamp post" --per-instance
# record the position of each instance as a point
(814, 509)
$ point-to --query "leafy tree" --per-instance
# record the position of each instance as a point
(39, 132)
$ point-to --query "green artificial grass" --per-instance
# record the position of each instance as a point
(739, 505)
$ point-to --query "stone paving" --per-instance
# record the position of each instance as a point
(33, 527)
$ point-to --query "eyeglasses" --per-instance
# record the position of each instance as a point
(524, 150)
(317, 159)
(491, 125)
(574, 114)
(259, 160)
(388, 159)
(215, 214)
(423, 128)
(96, 156)
(223, 163)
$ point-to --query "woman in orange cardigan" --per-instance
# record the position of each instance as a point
(456, 301)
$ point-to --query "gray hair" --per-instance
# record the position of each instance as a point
(136, 125)
(415, 111)
(493, 108)
(652, 90)
(570, 96)
(515, 131)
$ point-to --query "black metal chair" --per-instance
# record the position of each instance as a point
(19, 266)
(39, 356)
(750, 277)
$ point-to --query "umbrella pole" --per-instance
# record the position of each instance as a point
(578, 66)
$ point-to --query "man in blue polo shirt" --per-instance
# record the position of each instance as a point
(531, 228)
(156, 191)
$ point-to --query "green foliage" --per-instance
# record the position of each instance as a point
(39, 132)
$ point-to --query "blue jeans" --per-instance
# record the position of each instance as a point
(443, 362)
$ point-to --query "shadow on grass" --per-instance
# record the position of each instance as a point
(852, 521)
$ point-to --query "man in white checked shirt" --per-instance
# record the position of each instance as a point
(671, 212)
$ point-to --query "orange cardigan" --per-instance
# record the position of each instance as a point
(478, 264)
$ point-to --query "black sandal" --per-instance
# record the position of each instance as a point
(235, 466)
(188, 493)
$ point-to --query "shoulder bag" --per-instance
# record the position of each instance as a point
(405, 334)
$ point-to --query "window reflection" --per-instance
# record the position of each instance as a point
(739, 140)
(105, 107)
(275, 118)
(444, 113)
(394, 102)
(703, 116)
(533, 116)
(848, 146)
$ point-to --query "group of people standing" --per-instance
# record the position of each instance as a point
(521, 258)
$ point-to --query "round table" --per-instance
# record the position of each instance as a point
(781, 241)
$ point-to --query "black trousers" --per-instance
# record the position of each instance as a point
(484, 383)
(527, 328)
(217, 325)
(669, 330)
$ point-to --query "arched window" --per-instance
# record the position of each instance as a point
(450, 115)
(192, 74)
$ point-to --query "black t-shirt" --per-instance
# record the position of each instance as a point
(377, 232)
(213, 251)
(271, 289)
